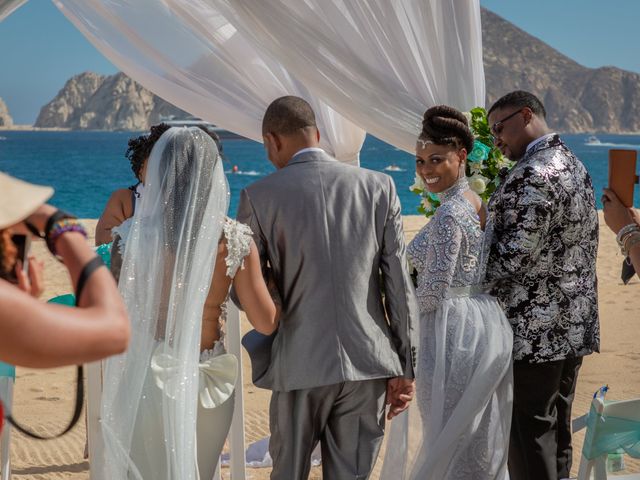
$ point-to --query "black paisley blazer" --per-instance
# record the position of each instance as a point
(543, 254)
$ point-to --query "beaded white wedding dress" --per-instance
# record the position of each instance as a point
(458, 425)
(167, 406)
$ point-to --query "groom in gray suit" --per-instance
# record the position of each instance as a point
(331, 235)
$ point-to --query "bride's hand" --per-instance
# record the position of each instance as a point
(400, 392)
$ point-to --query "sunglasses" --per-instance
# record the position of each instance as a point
(497, 127)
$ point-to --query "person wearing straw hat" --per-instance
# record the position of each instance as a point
(38, 335)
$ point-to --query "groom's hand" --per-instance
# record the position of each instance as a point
(400, 392)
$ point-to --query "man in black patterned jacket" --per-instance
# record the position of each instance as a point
(543, 263)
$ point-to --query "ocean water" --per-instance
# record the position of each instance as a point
(85, 167)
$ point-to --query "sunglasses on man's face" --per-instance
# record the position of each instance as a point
(496, 128)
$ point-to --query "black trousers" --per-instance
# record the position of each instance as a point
(540, 443)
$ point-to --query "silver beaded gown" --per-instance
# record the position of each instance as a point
(458, 426)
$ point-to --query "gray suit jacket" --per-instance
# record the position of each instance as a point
(332, 236)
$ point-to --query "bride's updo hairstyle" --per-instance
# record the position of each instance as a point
(444, 125)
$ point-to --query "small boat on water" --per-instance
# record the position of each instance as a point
(393, 168)
(592, 140)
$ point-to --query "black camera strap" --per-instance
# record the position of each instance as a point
(76, 413)
(86, 272)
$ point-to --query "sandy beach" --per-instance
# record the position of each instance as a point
(44, 398)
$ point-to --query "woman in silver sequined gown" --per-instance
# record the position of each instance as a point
(458, 427)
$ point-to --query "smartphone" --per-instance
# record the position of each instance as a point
(622, 174)
(23, 244)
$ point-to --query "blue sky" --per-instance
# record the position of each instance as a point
(40, 49)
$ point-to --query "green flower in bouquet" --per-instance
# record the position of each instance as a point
(485, 162)
(484, 165)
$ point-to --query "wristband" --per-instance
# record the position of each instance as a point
(627, 229)
(60, 226)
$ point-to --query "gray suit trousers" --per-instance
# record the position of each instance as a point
(346, 418)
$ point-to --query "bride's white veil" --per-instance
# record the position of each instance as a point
(167, 270)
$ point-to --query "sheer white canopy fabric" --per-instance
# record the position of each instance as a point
(381, 63)
(190, 55)
(7, 7)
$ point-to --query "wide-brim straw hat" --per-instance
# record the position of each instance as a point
(19, 199)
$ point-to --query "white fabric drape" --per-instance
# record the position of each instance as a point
(381, 63)
(7, 7)
(190, 55)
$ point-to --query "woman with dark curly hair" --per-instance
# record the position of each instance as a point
(122, 203)
(459, 426)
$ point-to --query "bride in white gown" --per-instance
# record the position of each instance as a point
(458, 426)
(168, 401)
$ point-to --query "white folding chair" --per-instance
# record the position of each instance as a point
(94, 427)
(7, 378)
(623, 419)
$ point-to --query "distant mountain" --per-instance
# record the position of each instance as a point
(577, 98)
(97, 102)
(5, 118)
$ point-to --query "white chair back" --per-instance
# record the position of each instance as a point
(236, 434)
(94, 430)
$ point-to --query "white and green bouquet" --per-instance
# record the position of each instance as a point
(485, 165)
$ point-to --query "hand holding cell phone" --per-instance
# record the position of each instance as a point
(616, 215)
(32, 282)
(23, 245)
(28, 270)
